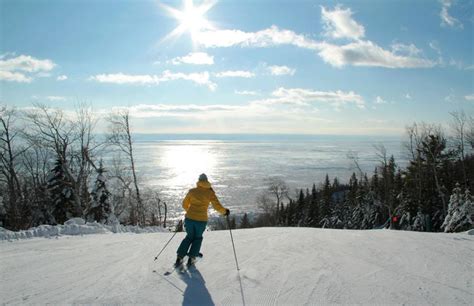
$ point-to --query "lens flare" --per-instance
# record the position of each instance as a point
(191, 18)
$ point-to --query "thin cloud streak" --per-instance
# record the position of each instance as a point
(234, 74)
(307, 97)
(246, 92)
(194, 58)
(201, 78)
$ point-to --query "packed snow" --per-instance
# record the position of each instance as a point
(278, 266)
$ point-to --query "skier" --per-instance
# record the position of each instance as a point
(195, 204)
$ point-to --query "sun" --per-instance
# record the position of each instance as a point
(191, 18)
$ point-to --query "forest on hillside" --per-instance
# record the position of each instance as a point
(52, 169)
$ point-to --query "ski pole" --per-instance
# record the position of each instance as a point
(233, 246)
(175, 232)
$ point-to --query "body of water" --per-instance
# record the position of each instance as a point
(238, 165)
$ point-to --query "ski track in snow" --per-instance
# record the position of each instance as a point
(279, 266)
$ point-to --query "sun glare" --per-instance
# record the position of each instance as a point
(191, 18)
(186, 162)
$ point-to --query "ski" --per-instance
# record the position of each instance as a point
(182, 267)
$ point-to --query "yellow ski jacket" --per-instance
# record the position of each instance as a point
(197, 202)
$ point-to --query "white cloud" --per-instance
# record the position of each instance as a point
(201, 78)
(469, 97)
(14, 77)
(62, 78)
(269, 37)
(248, 118)
(339, 23)
(26, 63)
(469, 67)
(167, 110)
(357, 53)
(281, 70)
(305, 97)
(246, 92)
(235, 74)
(56, 98)
(446, 19)
(366, 53)
(194, 58)
(23, 68)
(121, 78)
(408, 96)
(380, 100)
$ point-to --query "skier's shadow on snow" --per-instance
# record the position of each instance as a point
(196, 292)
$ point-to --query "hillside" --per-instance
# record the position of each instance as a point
(279, 266)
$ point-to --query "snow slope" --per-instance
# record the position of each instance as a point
(279, 266)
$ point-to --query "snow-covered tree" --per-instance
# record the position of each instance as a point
(356, 218)
(460, 211)
(101, 209)
(419, 222)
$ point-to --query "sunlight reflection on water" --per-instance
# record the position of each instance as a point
(185, 162)
(238, 168)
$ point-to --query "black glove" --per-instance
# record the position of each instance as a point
(227, 212)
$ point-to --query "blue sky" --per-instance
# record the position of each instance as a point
(306, 67)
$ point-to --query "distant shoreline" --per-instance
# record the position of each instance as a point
(262, 137)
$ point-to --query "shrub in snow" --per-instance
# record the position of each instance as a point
(460, 210)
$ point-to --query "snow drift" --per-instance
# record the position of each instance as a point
(279, 266)
(75, 226)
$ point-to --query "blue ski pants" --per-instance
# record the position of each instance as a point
(191, 244)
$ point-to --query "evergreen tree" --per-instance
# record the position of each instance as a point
(326, 202)
(291, 213)
(245, 223)
(335, 184)
(313, 210)
(419, 223)
(356, 219)
(61, 193)
(233, 224)
(353, 190)
(460, 210)
(101, 209)
(300, 209)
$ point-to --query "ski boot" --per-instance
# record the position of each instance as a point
(191, 261)
(179, 262)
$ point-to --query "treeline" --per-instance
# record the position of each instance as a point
(432, 193)
(52, 169)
